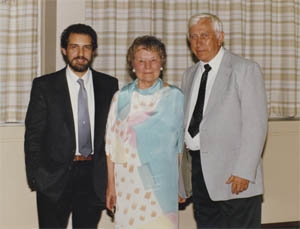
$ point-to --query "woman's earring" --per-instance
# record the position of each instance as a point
(133, 70)
(161, 68)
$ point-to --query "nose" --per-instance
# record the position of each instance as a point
(81, 51)
(147, 64)
(200, 41)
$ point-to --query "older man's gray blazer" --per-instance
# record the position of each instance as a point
(234, 126)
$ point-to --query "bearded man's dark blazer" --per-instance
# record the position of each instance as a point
(50, 141)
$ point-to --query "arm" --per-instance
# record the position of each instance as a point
(181, 187)
(254, 128)
(181, 194)
(35, 125)
(109, 148)
(110, 190)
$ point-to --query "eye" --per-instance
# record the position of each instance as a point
(72, 46)
(88, 47)
(204, 35)
(194, 36)
(140, 61)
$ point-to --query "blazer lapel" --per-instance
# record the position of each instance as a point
(96, 101)
(99, 100)
(62, 91)
(221, 82)
(188, 87)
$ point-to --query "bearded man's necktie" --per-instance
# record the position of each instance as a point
(84, 128)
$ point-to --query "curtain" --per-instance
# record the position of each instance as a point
(266, 31)
(18, 56)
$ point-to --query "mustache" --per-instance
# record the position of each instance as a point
(80, 58)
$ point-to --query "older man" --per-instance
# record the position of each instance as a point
(226, 124)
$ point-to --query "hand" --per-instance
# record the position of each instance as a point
(238, 184)
(181, 200)
(110, 198)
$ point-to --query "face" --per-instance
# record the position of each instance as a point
(203, 39)
(79, 53)
(147, 66)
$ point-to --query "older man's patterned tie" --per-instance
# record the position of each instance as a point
(198, 110)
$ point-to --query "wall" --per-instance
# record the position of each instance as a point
(48, 36)
(281, 168)
(281, 161)
(68, 12)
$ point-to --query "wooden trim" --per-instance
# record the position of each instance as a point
(283, 225)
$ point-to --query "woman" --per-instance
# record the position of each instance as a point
(143, 141)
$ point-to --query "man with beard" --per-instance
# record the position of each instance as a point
(64, 137)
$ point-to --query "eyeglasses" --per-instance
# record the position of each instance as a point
(202, 36)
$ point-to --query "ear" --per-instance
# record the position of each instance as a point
(221, 38)
(64, 51)
(95, 53)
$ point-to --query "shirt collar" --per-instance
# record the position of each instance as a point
(73, 77)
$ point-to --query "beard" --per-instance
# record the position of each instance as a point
(79, 66)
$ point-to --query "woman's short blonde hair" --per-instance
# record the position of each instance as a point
(149, 43)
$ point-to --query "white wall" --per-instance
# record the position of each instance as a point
(281, 161)
(281, 172)
(17, 203)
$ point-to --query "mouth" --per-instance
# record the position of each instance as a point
(80, 59)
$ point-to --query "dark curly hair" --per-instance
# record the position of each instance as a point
(79, 29)
(149, 43)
